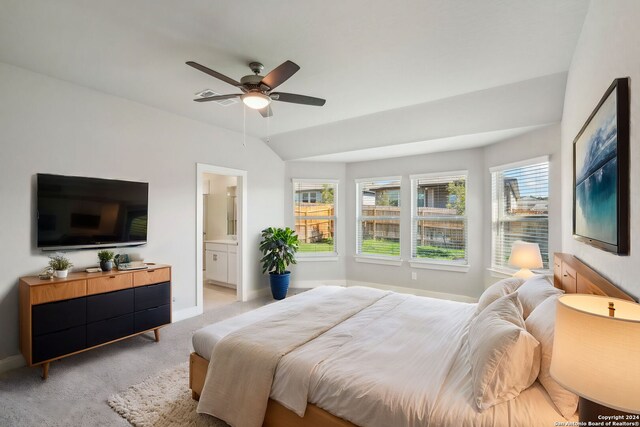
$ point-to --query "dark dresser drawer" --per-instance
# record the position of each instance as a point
(56, 316)
(152, 296)
(109, 330)
(112, 304)
(56, 344)
(152, 318)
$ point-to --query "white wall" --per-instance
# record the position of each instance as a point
(50, 126)
(461, 283)
(311, 273)
(608, 48)
(217, 202)
(542, 142)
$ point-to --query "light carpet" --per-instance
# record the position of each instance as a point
(162, 401)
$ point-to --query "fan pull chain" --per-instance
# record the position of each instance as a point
(268, 126)
(244, 125)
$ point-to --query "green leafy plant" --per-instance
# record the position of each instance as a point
(105, 255)
(458, 190)
(59, 262)
(278, 247)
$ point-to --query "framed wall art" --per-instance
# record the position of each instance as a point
(601, 173)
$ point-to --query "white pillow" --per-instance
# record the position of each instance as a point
(504, 357)
(497, 290)
(535, 290)
(541, 324)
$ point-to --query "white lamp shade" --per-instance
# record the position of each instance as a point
(256, 100)
(597, 356)
(525, 255)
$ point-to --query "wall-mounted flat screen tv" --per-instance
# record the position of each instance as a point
(79, 213)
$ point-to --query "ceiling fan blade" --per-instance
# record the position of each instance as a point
(266, 111)
(297, 99)
(280, 74)
(212, 73)
(217, 98)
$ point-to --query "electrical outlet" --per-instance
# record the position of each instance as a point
(414, 275)
(173, 299)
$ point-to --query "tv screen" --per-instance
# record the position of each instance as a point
(76, 212)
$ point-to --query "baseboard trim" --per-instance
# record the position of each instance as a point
(310, 284)
(186, 313)
(257, 293)
(413, 291)
(12, 362)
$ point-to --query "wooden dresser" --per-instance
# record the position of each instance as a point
(62, 317)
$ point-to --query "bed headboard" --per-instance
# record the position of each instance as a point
(573, 276)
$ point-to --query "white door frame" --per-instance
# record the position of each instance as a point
(201, 169)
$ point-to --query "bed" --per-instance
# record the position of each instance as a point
(352, 373)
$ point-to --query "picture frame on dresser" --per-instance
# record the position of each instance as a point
(601, 173)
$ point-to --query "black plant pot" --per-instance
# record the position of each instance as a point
(106, 265)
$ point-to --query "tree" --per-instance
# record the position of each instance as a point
(327, 194)
(458, 190)
(382, 199)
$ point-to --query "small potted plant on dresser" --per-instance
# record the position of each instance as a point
(279, 247)
(60, 264)
(106, 260)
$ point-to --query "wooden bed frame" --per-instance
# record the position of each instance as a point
(569, 273)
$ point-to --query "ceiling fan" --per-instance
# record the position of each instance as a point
(257, 90)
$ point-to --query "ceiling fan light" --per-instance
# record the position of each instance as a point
(256, 100)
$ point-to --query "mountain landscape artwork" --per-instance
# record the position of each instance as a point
(596, 176)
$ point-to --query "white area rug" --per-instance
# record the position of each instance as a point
(162, 401)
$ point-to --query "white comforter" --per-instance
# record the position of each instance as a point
(238, 384)
(395, 363)
(383, 367)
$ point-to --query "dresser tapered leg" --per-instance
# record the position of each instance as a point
(45, 371)
(157, 334)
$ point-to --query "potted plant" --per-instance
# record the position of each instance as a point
(106, 260)
(60, 264)
(278, 247)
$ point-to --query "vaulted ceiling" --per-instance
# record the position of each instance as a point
(393, 73)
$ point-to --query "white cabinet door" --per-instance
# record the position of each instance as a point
(232, 268)
(216, 266)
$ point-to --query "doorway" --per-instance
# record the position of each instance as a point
(220, 225)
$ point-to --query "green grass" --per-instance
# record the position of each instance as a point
(389, 247)
(315, 247)
(434, 252)
(381, 247)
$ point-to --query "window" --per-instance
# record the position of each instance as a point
(314, 210)
(439, 218)
(520, 208)
(378, 217)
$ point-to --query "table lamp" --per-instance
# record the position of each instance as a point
(525, 256)
(596, 354)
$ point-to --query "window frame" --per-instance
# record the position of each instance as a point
(318, 256)
(506, 270)
(428, 263)
(377, 258)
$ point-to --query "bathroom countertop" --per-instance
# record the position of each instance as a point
(223, 241)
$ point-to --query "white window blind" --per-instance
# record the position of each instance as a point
(315, 213)
(520, 209)
(378, 217)
(439, 218)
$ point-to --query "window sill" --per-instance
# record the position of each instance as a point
(332, 257)
(445, 266)
(378, 260)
